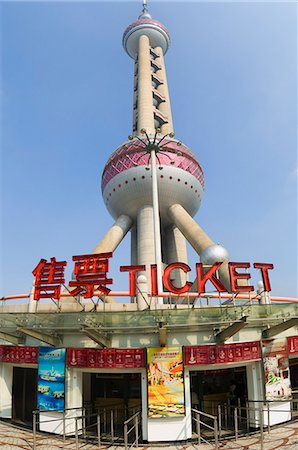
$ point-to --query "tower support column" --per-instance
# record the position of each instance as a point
(114, 236)
(145, 98)
(197, 238)
(164, 107)
(145, 239)
(176, 252)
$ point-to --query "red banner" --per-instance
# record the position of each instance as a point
(293, 345)
(18, 354)
(108, 358)
(221, 354)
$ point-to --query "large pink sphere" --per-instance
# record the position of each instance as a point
(127, 181)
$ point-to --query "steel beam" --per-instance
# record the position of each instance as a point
(276, 329)
(11, 338)
(97, 337)
(54, 341)
(225, 334)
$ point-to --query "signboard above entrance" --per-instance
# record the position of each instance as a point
(222, 354)
(18, 355)
(114, 358)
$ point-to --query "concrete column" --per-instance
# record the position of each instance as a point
(254, 392)
(197, 237)
(115, 235)
(145, 99)
(6, 375)
(164, 107)
(74, 396)
(133, 252)
(32, 307)
(145, 236)
(176, 252)
(133, 246)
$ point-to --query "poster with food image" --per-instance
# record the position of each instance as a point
(165, 382)
(276, 369)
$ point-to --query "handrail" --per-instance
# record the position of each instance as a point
(199, 422)
(135, 417)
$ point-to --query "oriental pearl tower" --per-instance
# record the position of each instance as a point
(152, 184)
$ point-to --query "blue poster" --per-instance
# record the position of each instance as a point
(51, 378)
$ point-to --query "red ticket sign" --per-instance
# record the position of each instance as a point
(293, 345)
(18, 355)
(222, 354)
(108, 358)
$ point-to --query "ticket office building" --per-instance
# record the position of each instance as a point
(121, 382)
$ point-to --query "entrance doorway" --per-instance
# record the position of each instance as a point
(24, 394)
(210, 388)
(116, 396)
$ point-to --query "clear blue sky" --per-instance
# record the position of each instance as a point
(67, 104)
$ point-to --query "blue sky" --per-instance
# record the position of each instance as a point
(67, 102)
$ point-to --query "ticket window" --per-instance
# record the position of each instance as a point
(210, 388)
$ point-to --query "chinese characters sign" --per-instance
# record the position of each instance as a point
(114, 358)
(18, 355)
(220, 354)
(51, 378)
(91, 274)
(276, 369)
(165, 382)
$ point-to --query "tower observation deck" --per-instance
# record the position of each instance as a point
(153, 184)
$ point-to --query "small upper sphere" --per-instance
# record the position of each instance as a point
(214, 253)
(156, 32)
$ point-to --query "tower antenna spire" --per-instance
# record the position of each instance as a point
(145, 6)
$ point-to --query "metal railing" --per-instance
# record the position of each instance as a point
(82, 423)
(197, 417)
(238, 420)
(105, 425)
(133, 423)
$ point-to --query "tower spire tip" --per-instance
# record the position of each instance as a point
(145, 12)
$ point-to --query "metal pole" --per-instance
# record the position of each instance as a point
(77, 435)
(261, 426)
(156, 220)
(226, 415)
(84, 424)
(247, 417)
(198, 427)
(34, 430)
(236, 422)
(268, 417)
(112, 425)
(98, 430)
(137, 430)
(125, 436)
(219, 420)
(105, 420)
(216, 434)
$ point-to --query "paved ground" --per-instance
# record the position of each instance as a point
(283, 437)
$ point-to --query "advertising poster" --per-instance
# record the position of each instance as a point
(51, 378)
(165, 382)
(276, 369)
